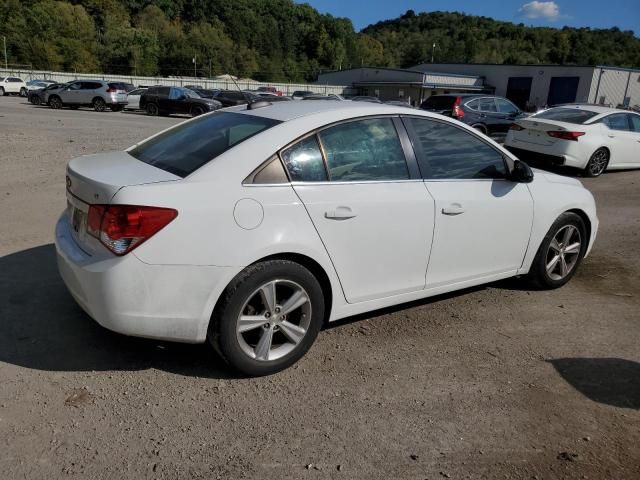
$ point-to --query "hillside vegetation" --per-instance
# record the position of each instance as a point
(275, 40)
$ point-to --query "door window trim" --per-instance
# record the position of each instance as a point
(411, 160)
(417, 146)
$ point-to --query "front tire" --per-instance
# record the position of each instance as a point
(55, 102)
(560, 253)
(597, 163)
(2, 92)
(268, 317)
(35, 100)
(197, 111)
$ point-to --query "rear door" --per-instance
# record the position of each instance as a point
(368, 204)
(490, 116)
(622, 139)
(482, 219)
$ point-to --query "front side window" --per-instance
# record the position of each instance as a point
(504, 106)
(448, 152)
(176, 93)
(190, 145)
(364, 150)
(617, 121)
(304, 161)
(635, 122)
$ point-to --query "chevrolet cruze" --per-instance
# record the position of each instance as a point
(251, 227)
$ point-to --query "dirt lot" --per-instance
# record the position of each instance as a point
(494, 382)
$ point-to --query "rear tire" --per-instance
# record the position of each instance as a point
(597, 163)
(560, 252)
(152, 109)
(99, 105)
(2, 92)
(268, 317)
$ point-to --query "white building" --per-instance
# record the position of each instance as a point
(529, 86)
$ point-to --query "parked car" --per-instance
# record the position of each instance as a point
(133, 99)
(172, 100)
(273, 90)
(399, 103)
(37, 84)
(12, 85)
(589, 137)
(363, 98)
(300, 94)
(97, 94)
(41, 95)
(331, 96)
(489, 114)
(230, 98)
(127, 87)
(237, 228)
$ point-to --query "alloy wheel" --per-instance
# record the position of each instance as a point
(274, 320)
(55, 103)
(99, 105)
(598, 163)
(563, 252)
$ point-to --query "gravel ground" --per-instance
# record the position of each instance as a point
(492, 382)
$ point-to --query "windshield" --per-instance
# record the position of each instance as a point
(190, 93)
(567, 115)
(190, 145)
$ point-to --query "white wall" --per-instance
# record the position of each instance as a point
(286, 88)
(613, 84)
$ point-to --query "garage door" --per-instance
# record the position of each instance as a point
(563, 90)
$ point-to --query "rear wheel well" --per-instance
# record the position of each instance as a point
(314, 267)
(585, 219)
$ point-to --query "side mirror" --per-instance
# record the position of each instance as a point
(521, 172)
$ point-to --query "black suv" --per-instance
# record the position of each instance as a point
(169, 100)
(490, 114)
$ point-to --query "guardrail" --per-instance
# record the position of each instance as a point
(286, 88)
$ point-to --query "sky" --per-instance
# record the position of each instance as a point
(624, 14)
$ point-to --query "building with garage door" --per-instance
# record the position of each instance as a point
(528, 86)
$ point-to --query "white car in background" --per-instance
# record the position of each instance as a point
(37, 85)
(133, 97)
(589, 137)
(253, 226)
(12, 85)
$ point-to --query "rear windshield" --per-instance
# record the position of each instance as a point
(568, 115)
(187, 147)
(438, 103)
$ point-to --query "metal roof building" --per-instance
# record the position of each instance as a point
(528, 86)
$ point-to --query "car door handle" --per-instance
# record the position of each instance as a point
(340, 213)
(453, 209)
(611, 136)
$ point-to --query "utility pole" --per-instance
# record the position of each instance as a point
(195, 64)
(433, 51)
(4, 40)
(209, 67)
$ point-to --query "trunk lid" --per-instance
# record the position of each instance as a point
(95, 179)
(535, 130)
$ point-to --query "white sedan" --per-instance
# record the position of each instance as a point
(589, 137)
(133, 99)
(253, 226)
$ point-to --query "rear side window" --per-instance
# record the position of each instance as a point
(364, 150)
(635, 122)
(448, 152)
(568, 115)
(617, 121)
(304, 161)
(190, 145)
(487, 105)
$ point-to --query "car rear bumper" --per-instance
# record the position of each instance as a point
(563, 152)
(128, 296)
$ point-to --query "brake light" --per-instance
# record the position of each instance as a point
(112, 90)
(457, 111)
(516, 127)
(565, 135)
(121, 228)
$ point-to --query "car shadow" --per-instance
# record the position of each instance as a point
(611, 381)
(42, 328)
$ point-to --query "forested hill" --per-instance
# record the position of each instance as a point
(409, 40)
(275, 40)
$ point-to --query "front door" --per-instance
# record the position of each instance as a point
(482, 219)
(622, 140)
(374, 217)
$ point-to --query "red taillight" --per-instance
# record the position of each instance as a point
(516, 127)
(112, 90)
(121, 228)
(565, 135)
(457, 111)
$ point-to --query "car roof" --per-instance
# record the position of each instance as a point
(285, 111)
(600, 109)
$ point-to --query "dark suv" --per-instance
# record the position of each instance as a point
(169, 100)
(490, 114)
